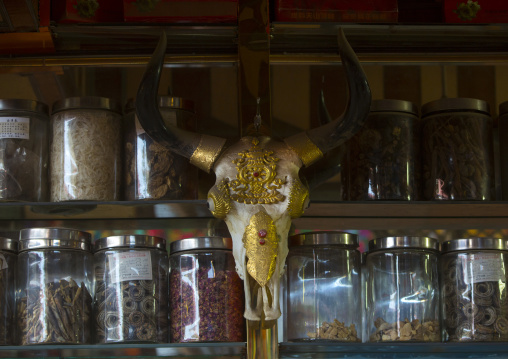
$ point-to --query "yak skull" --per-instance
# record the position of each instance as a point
(258, 190)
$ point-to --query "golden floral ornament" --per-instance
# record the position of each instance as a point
(255, 182)
(261, 243)
(298, 199)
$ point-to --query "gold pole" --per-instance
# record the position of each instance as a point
(262, 340)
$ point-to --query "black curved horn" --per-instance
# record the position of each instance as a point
(202, 150)
(333, 134)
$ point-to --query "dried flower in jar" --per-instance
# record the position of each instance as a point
(215, 301)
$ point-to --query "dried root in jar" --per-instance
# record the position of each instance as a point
(428, 331)
(58, 313)
(336, 330)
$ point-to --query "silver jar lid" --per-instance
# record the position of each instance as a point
(200, 243)
(475, 243)
(503, 108)
(130, 241)
(324, 238)
(8, 244)
(455, 104)
(389, 105)
(177, 103)
(15, 104)
(40, 238)
(87, 102)
(402, 242)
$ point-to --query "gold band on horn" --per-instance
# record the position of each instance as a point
(207, 152)
(306, 150)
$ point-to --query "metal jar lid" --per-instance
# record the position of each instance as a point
(130, 241)
(57, 238)
(324, 238)
(177, 103)
(503, 108)
(200, 243)
(403, 242)
(24, 105)
(455, 105)
(388, 105)
(8, 244)
(87, 102)
(475, 243)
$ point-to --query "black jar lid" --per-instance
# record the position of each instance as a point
(455, 105)
(8, 244)
(173, 102)
(130, 241)
(87, 102)
(475, 243)
(403, 242)
(54, 238)
(324, 238)
(212, 242)
(503, 108)
(14, 104)
(390, 105)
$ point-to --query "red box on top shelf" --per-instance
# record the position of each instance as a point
(86, 11)
(479, 11)
(181, 11)
(372, 11)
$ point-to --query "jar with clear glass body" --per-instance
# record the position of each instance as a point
(8, 263)
(474, 294)
(206, 294)
(382, 159)
(324, 287)
(131, 289)
(457, 150)
(403, 290)
(24, 130)
(85, 151)
(503, 147)
(55, 278)
(151, 171)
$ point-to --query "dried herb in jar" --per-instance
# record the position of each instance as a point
(426, 331)
(59, 313)
(134, 310)
(475, 311)
(206, 305)
(7, 310)
(336, 330)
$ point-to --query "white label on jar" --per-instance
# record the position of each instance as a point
(483, 267)
(15, 127)
(3, 262)
(127, 266)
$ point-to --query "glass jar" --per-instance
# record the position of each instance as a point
(131, 289)
(323, 287)
(403, 290)
(383, 157)
(8, 262)
(151, 171)
(503, 147)
(474, 294)
(55, 277)
(206, 294)
(24, 129)
(85, 149)
(457, 150)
